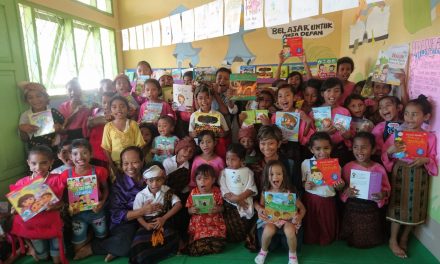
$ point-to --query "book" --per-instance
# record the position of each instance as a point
(390, 128)
(206, 74)
(82, 192)
(203, 202)
(288, 122)
(325, 171)
(176, 74)
(32, 199)
(44, 121)
(4, 207)
(140, 81)
(416, 144)
(342, 122)
(236, 180)
(298, 67)
(284, 71)
(326, 68)
(152, 112)
(253, 116)
(293, 47)
(322, 116)
(182, 97)
(366, 182)
(207, 121)
(367, 90)
(264, 72)
(389, 63)
(279, 206)
(247, 69)
(167, 94)
(130, 73)
(244, 87)
(362, 124)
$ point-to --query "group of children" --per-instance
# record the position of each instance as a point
(152, 165)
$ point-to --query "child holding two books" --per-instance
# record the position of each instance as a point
(152, 90)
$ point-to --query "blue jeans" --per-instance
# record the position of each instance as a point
(81, 222)
(45, 246)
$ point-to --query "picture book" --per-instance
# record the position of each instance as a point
(236, 180)
(367, 90)
(131, 73)
(390, 63)
(299, 104)
(176, 74)
(326, 68)
(152, 112)
(247, 69)
(264, 72)
(182, 97)
(322, 116)
(32, 199)
(279, 206)
(288, 122)
(416, 144)
(284, 71)
(292, 47)
(253, 117)
(390, 128)
(140, 80)
(325, 171)
(203, 202)
(207, 121)
(366, 182)
(82, 192)
(244, 86)
(362, 124)
(167, 94)
(298, 67)
(44, 121)
(342, 122)
(206, 74)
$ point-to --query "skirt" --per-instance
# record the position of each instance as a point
(206, 246)
(409, 194)
(112, 244)
(362, 224)
(239, 228)
(321, 222)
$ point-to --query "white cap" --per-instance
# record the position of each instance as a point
(159, 73)
(152, 172)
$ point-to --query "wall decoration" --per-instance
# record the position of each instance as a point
(306, 28)
(237, 50)
(148, 35)
(176, 28)
(201, 22)
(329, 6)
(304, 9)
(140, 37)
(253, 14)
(215, 19)
(155, 25)
(418, 14)
(232, 16)
(125, 40)
(165, 26)
(188, 25)
(133, 41)
(276, 12)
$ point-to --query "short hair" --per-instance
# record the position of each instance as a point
(330, 83)
(352, 97)
(278, 82)
(284, 86)
(223, 69)
(120, 98)
(154, 82)
(203, 88)
(366, 135)
(144, 63)
(154, 163)
(237, 149)
(188, 74)
(136, 149)
(81, 142)
(168, 119)
(345, 60)
(205, 169)
(151, 127)
(62, 144)
(319, 136)
(392, 98)
(270, 132)
(314, 83)
(205, 133)
(43, 150)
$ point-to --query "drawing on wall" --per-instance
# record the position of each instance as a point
(371, 23)
(237, 50)
(418, 15)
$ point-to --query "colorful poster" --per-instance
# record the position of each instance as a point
(247, 69)
(279, 206)
(188, 26)
(232, 16)
(302, 9)
(140, 37)
(183, 97)
(329, 6)
(253, 14)
(254, 117)
(125, 40)
(215, 21)
(32, 199)
(82, 192)
(276, 12)
(293, 47)
(152, 112)
(176, 74)
(155, 25)
(148, 36)
(133, 40)
(264, 72)
(416, 144)
(322, 116)
(244, 86)
(306, 28)
(201, 22)
(288, 122)
(176, 28)
(203, 202)
(342, 122)
(165, 26)
(206, 74)
(326, 68)
(207, 121)
(390, 63)
(325, 171)
(44, 121)
(390, 128)
(366, 182)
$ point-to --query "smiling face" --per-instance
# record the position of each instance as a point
(321, 149)
(119, 109)
(39, 163)
(151, 91)
(207, 144)
(264, 101)
(154, 184)
(380, 90)
(37, 100)
(414, 116)
(357, 108)
(28, 202)
(285, 99)
(204, 100)
(143, 69)
(344, 71)
(166, 80)
(164, 127)
(233, 161)
(81, 156)
(388, 110)
(269, 147)
(332, 95)
(132, 164)
(205, 182)
(37, 206)
(222, 79)
(295, 81)
(185, 154)
(362, 150)
(74, 92)
(64, 156)
(310, 96)
(276, 176)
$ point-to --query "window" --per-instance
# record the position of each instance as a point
(59, 48)
(102, 5)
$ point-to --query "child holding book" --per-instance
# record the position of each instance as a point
(362, 223)
(163, 145)
(277, 181)
(411, 174)
(357, 107)
(311, 95)
(321, 224)
(247, 138)
(63, 154)
(344, 68)
(380, 90)
(153, 107)
(220, 93)
(143, 68)
(149, 132)
(155, 240)
(265, 101)
(81, 152)
(123, 88)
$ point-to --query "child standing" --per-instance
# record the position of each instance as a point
(362, 224)
(149, 132)
(247, 138)
(63, 154)
(163, 145)
(409, 203)
(123, 88)
(344, 68)
(152, 90)
(356, 105)
(311, 95)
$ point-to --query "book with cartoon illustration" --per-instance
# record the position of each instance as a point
(244, 86)
(152, 112)
(206, 74)
(390, 63)
(82, 192)
(140, 81)
(322, 116)
(416, 144)
(288, 122)
(342, 122)
(32, 199)
(236, 180)
(390, 128)
(326, 68)
(325, 171)
(264, 72)
(203, 202)
(182, 97)
(207, 121)
(176, 74)
(279, 206)
(254, 117)
(247, 69)
(284, 71)
(292, 47)
(44, 121)
(167, 94)
(366, 182)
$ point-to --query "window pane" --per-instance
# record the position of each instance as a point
(108, 53)
(29, 40)
(104, 5)
(46, 36)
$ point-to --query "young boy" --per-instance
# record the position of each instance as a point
(63, 153)
(344, 68)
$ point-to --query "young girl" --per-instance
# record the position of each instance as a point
(380, 90)
(149, 132)
(46, 228)
(362, 224)
(163, 145)
(409, 203)
(81, 152)
(119, 133)
(344, 68)
(311, 95)
(123, 88)
(356, 105)
(147, 113)
(36, 96)
(276, 181)
(155, 240)
(321, 223)
(247, 138)
(106, 86)
(207, 232)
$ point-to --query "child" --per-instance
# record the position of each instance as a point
(247, 138)
(276, 181)
(220, 91)
(359, 86)
(356, 105)
(119, 133)
(311, 95)
(106, 86)
(81, 152)
(155, 239)
(380, 90)
(362, 224)
(36, 96)
(163, 145)
(123, 88)
(188, 77)
(238, 187)
(63, 153)
(184, 152)
(165, 79)
(411, 174)
(207, 144)
(46, 228)
(265, 101)
(321, 223)
(149, 132)
(143, 68)
(152, 92)
(344, 68)
(207, 232)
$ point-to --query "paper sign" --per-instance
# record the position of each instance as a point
(276, 12)
(366, 182)
(125, 40)
(200, 22)
(253, 14)
(155, 25)
(133, 40)
(303, 9)
(165, 25)
(232, 16)
(188, 26)
(148, 36)
(215, 19)
(329, 6)
(176, 28)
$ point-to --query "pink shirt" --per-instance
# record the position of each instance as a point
(337, 136)
(79, 119)
(348, 89)
(217, 163)
(303, 138)
(166, 110)
(378, 135)
(95, 137)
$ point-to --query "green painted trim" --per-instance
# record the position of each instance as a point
(70, 34)
(34, 29)
(97, 37)
(94, 7)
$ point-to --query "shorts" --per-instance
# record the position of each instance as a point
(45, 246)
(81, 222)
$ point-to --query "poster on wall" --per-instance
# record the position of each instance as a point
(155, 25)
(176, 28)
(215, 21)
(201, 22)
(304, 9)
(133, 41)
(306, 28)
(253, 14)
(140, 37)
(166, 31)
(232, 16)
(148, 36)
(329, 6)
(276, 12)
(188, 26)
(125, 40)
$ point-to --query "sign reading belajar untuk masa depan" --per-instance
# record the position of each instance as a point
(306, 28)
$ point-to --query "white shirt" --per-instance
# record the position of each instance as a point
(320, 190)
(170, 164)
(145, 195)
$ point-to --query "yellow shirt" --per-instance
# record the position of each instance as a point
(114, 140)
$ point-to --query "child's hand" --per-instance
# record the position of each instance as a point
(28, 128)
(378, 196)
(242, 116)
(149, 226)
(216, 209)
(58, 127)
(281, 57)
(339, 185)
(330, 130)
(265, 121)
(309, 185)
(158, 223)
(262, 214)
(397, 147)
(419, 162)
(149, 208)
(351, 192)
(243, 204)
(193, 210)
(307, 120)
(98, 207)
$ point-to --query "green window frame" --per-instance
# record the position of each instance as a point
(105, 6)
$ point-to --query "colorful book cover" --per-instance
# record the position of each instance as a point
(325, 171)
(140, 81)
(176, 74)
(326, 68)
(152, 112)
(247, 69)
(264, 72)
(279, 206)
(259, 113)
(236, 180)
(82, 192)
(389, 63)
(390, 128)
(130, 73)
(367, 90)
(167, 94)
(342, 122)
(288, 122)
(362, 124)
(182, 97)
(206, 74)
(366, 182)
(416, 144)
(253, 116)
(244, 87)
(322, 116)
(203, 202)
(207, 121)
(44, 121)
(4, 207)
(293, 47)
(284, 71)
(298, 67)
(32, 199)
(91, 99)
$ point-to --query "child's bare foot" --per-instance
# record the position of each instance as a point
(403, 244)
(56, 260)
(109, 258)
(83, 252)
(397, 251)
